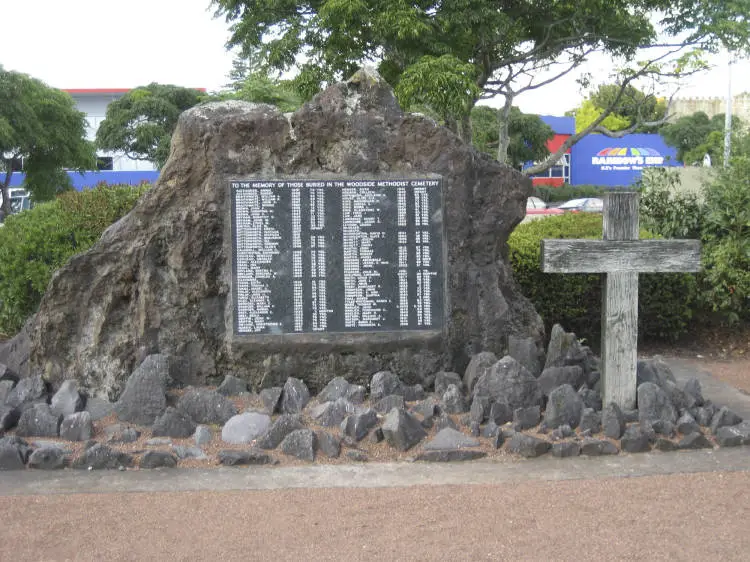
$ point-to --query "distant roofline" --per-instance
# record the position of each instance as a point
(107, 90)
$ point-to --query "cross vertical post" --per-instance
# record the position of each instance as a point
(620, 306)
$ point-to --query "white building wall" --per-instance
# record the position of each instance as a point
(94, 105)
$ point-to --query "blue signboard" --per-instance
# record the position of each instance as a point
(601, 160)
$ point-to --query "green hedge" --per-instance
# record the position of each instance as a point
(574, 300)
(34, 243)
(566, 192)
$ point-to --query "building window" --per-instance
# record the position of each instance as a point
(104, 162)
(559, 170)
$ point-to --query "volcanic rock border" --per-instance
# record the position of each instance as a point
(158, 281)
(498, 406)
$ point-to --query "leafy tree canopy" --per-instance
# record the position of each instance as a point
(590, 112)
(629, 108)
(696, 135)
(40, 126)
(528, 134)
(470, 49)
(141, 123)
(251, 81)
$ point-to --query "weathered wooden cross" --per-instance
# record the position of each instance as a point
(620, 256)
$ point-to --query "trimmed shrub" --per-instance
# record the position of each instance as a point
(33, 244)
(566, 192)
(575, 300)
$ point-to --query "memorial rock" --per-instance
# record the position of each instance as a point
(175, 276)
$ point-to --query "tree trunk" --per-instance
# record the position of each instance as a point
(503, 136)
(466, 135)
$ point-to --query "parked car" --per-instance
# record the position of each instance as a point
(537, 208)
(535, 203)
(585, 205)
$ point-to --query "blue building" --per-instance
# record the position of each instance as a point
(600, 160)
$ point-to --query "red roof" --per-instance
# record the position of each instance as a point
(107, 90)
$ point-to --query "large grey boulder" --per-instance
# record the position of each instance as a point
(654, 404)
(99, 408)
(337, 388)
(724, 417)
(552, 377)
(11, 457)
(245, 428)
(330, 414)
(47, 458)
(564, 407)
(233, 457)
(509, 382)
(385, 383)
(101, 457)
(206, 406)
(693, 388)
(158, 459)
(445, 378)
(283, 426)
(655, 371)
(560, 342)
(357, 426)
(28, 390)
(39, 421)
(232, 386)
(300, 443)
(635, 440)
(6, 386)
(329, 445)
(159, 278)
(448, 438)
(480, 364)
(385, 405)
(613, 421)
(294, 397)
(527, 445)
(144, 398)
(598, 447)
(173, 423)
(77, 427)
(8, 374)
(401, 430)
(67, 400)
(527, 352)
(9, 417)
(453, 401)
(271, 398)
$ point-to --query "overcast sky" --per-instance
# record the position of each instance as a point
(108, 44)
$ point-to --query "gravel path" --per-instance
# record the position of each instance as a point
(678, 517)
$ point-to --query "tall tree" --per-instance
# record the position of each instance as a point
(141, 123)
(528, 135)
(696, 135)
(41, 127)
(503, 48)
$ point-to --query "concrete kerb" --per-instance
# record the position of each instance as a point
(374, 475)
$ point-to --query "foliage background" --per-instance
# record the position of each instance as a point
(34, 243)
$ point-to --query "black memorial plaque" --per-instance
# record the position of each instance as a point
(355, 255)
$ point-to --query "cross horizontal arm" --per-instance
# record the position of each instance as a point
(637, 256)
